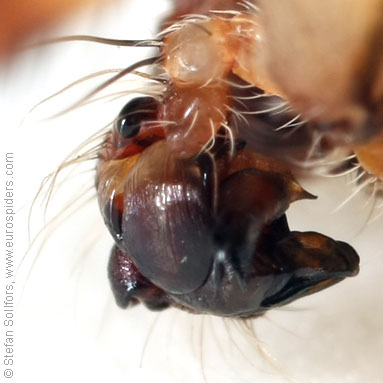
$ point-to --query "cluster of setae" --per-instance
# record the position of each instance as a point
(196, 175)
(191, 184)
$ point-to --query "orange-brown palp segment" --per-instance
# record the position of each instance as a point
(248, 45)
(370, 156)
(196, 115)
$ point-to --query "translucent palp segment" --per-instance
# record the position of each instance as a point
(197, 53)
(195, 116)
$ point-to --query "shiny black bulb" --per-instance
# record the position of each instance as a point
(133, 114)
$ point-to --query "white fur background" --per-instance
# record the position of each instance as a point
(68, 327)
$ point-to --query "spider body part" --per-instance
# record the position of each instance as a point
(209, 233)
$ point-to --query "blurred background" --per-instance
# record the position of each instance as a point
(68, 327)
